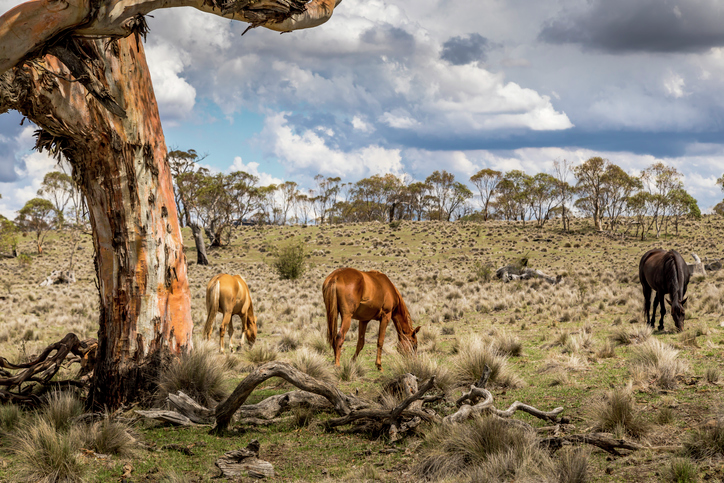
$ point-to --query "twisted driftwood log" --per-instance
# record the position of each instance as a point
(477, 392)
(45, 366)
(341, 403)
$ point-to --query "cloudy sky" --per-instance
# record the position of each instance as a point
(410, 86)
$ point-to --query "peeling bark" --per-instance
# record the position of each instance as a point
(120, 166)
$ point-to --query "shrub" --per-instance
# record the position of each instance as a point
(199, 373)
(289, 261)
(47, 455)
(483, 272)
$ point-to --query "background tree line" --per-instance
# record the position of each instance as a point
(211, 204)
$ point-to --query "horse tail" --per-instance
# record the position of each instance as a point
(329, 289)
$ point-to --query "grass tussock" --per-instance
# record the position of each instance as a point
(681, 470)
(639, 334)
(572, 465)
(484, 449)
(61, 409)
(110, 437)
(10, 417)
(261, 353)
(658, 362)
(421, 366)
(707, 441)
(471, 359)
(313, 364)
(199, 373)
(616, 413)
(350, 370)
(46, 455)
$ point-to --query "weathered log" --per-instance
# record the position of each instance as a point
(511, 272)
(171, 417)
(696, 268)
(226, 410)
(273, 406)
(183, 404)
(393, 419)
(57, 277)
(245, 461)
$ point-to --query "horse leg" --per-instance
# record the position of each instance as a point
(339, 340)
(361, 337)
(663, 312)
(381, 340)
(231, 333)
(209, 324)
(222, 330)
(647, 302)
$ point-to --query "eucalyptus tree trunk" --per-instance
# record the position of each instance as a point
(77, 69)
(120, 165)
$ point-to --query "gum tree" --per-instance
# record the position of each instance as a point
(77, 69)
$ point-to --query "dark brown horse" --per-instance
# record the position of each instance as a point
(365, 296)
(666, 273)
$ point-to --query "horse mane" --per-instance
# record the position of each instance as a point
(671, 268)
(402, 308)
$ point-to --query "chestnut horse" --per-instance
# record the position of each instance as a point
(230, 295)
(667, 273)
(365, 296)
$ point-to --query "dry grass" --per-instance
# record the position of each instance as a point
(483, 449)
(657, 362)
(707, 441)
(616, 412)
(61, 409)
(46, 455)
(313, 364)
(421, 366)
(472, 357)
(110, 437)
(199, 373)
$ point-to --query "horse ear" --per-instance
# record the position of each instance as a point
(417, 329)
(684, 301)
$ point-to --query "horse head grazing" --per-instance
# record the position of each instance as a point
(678, 313)
(250, 330)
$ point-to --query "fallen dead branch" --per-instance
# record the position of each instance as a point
(477, 392)
(604, 441)
(45, 366)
